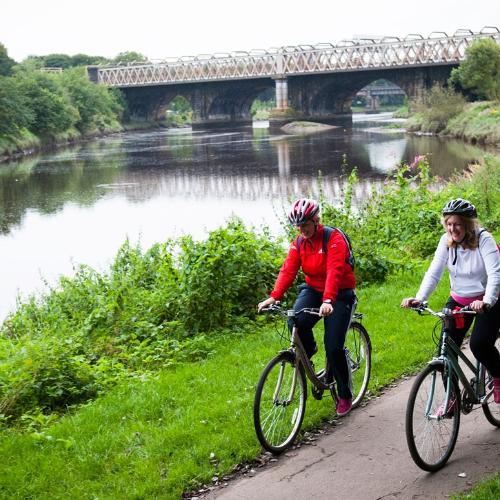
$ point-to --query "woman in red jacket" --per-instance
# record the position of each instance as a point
(330, 285)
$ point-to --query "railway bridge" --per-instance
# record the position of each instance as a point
(309, 82)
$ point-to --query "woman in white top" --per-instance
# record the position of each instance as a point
(473, 260)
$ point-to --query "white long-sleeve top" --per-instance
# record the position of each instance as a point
(476, 272)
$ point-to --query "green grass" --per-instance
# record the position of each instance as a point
(158, 437)
(479, 122)
(485, 491)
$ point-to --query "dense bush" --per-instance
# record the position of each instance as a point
(434, 111)
(165, 305)
(93, 329)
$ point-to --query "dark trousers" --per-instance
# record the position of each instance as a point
(483, 336)
(336, 326)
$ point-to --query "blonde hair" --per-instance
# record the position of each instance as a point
(471, 227)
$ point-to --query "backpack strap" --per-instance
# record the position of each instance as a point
(350, 259)
(480, 233)
(327, 232)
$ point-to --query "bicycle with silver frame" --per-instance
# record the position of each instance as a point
(281, 394)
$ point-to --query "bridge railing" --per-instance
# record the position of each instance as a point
(352, 55)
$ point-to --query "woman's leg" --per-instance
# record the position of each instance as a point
(336, 326)
(460, 325)
(308, 297)
(483, 338)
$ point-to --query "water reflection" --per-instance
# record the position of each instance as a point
(79, 204)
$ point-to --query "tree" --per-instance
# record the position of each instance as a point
(49, 103)
(96, 104)
(14, 110)
(130, 57)
(6, 63)
(85, 60)
(480, 72)
(57, 61)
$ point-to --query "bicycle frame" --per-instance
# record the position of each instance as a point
(449, 355)
(300, 353)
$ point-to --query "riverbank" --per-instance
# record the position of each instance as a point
(478, 123)
(27, 143)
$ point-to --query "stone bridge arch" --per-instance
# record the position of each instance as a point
(329, 97)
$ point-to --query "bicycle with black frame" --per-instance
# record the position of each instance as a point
(280, 397)
(436, 401)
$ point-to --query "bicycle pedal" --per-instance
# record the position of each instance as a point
(317, 393)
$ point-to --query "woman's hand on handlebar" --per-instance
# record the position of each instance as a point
(410, 302)
(265, 303)
(326, 309)
(478, 306)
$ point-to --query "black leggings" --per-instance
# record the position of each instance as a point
(335, 331)
(483, 336)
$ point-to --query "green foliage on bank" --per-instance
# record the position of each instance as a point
(477, 122)
(480, 72)
(39, 108)
(159, 307)
(138, 382)
(445, 111)
(150, 310)
(190, 424)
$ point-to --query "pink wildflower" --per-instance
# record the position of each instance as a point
(416, 161)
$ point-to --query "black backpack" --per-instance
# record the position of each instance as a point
(327, 231)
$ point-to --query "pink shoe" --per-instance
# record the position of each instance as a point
(344, 406)
(496, 389)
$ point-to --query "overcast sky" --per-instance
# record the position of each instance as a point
(170, 28)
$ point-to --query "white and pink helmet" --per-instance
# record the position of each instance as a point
(302, 210)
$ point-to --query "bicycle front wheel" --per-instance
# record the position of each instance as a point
(359, 358)
(490, 408)
(432, 429)
(280, 402)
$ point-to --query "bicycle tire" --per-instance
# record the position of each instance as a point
(491, 409)
(280, 402)
(359, 357)
(431, 440)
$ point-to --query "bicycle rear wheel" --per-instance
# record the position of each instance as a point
(280, 402)
(432, 430)
(359, 357)
(490, 408)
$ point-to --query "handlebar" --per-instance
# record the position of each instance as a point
(422, 308)
(290, 313)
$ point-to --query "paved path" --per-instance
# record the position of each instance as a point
(366, 458)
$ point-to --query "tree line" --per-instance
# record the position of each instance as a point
(35, 101)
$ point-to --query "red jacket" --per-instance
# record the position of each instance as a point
(326, 273)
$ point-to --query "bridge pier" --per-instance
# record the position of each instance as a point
(281, 93)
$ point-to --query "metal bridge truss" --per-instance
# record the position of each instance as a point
(355, 55)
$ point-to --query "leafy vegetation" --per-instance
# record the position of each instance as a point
(480, 72)
(94, 329)
(156, 308)
(39, 107)
(445, 111)
(179, 112)
(436, 108)
(152, 365)
(189, 424)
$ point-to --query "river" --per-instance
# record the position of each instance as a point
(79, 204)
